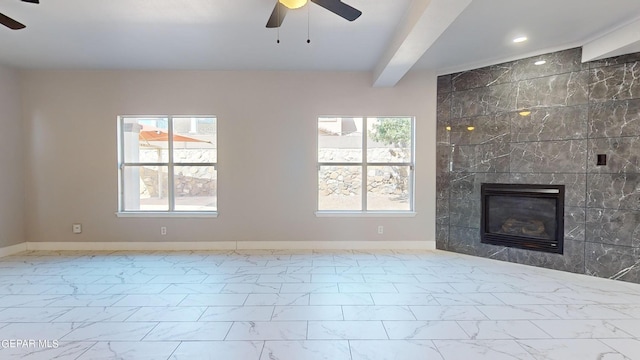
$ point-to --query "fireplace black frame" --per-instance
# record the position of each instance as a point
(523, 190)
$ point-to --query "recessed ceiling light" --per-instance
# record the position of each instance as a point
(470, 128)
(520, 39)
(540, 62)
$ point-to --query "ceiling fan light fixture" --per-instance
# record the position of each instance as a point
(293, 4)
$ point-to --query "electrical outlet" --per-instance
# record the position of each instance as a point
(380, 230)
(77, 228)
(163, 230)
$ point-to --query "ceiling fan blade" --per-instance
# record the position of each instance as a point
(277, 16)
(32, 1)
(339, 8)
(10, 23)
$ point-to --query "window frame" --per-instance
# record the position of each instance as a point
(364, 165)
(170, 164)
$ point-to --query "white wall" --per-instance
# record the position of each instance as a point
(70, 119)
(11, 160)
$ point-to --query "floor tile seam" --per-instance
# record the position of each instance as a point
(524, 350)
(549, 336)
(137, 341)
(430, 341)
(342, 312)
(150, 330)
(386, 331)
(262, 350)
(605, 322)
(602, 341)
(350, 349)
(586, 338)
(617, 328)
(59, 316)
(525, 347)
(620, 320)
(409, 307)
(445, 321)
(87, 349)
(226, 335)
(73, 328)
(104, 292)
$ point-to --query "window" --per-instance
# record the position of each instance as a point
(365, 164)
(167, 164)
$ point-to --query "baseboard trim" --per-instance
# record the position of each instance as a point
(337, 245)
(13, 249)
(131, 246)
(227, 245)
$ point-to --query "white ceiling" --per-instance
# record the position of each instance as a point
(231, 34)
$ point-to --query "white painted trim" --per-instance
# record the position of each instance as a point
(502, 60)
(624, 40)
(337, 245)
(167, 214)
(421, 26)
(13, 249)
(365, 213)
(132, 246)
(227, 245)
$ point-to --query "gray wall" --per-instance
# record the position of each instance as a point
(11, 160)
(577, 111)
(267, 136)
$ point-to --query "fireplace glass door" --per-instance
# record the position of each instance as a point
(523, 216)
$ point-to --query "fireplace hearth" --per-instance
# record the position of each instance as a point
(525, 216)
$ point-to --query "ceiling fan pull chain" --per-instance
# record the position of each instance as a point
(308, 26)
(278, 28)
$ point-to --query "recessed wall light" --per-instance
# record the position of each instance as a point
(448, 128)
(470, 128)
(520, 39)
(525, 113)
(540, 62)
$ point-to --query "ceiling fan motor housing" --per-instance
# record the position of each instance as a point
(335, 6)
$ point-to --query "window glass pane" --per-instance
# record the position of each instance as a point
(195, 188)
(145, 188)
(389, 140)
(145, 140)
(194, 140)
(340, 188)
(340, 140)
(388, 188)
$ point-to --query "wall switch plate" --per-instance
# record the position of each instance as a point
(77, 228)
(380, 230)
(163, 230)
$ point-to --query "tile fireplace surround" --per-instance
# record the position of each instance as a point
(525, 124)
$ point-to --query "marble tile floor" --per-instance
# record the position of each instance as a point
(308, 305)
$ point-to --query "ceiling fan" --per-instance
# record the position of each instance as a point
(335, 6)
(14, 24)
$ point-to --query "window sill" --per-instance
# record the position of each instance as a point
(365, 213)
(166, 214)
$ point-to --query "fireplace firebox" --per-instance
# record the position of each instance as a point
(523, 216)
